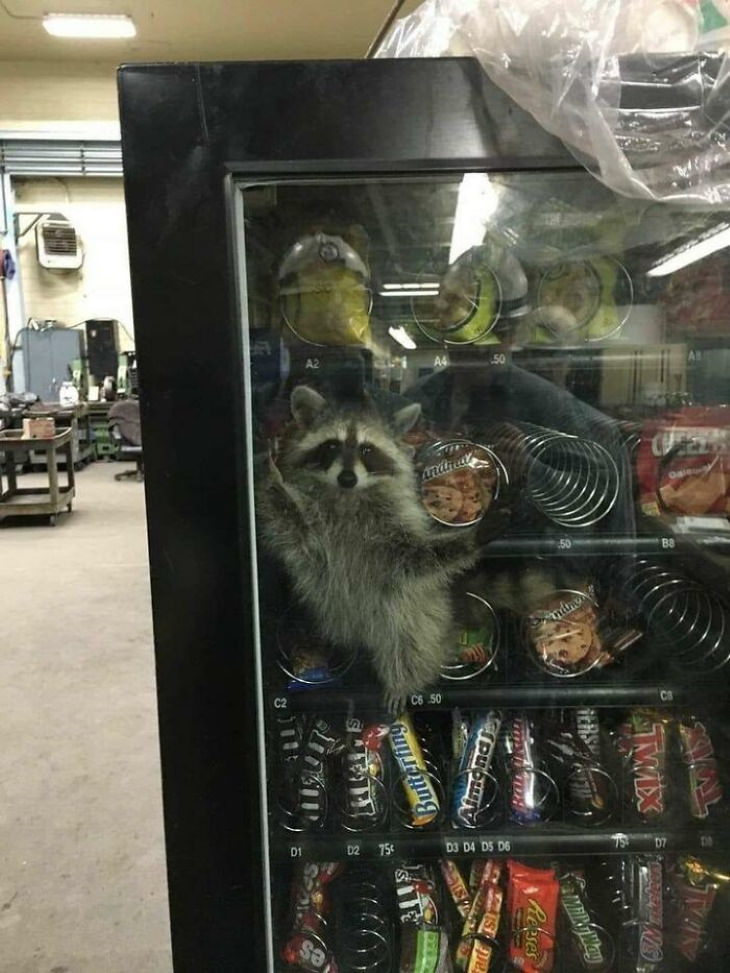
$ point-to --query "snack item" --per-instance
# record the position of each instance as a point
(289, 742)
(472, 784)
(474, 952)
(424, 943)
(563, 633)
(591, 945)
(703, 777)
(366, 798)
(417, 783)
(321, 742)
(532, 904)
(683, 466)
(643, 893)
(305, 948)
(527, 781)
(454, 881)
(477, 639)
(695, 887)
(645, 738)
(459, 481)
(475, 873)
(575, 743)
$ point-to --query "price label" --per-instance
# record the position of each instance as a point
(621, 841)
(434, 699)
(564, 543)
(386, 849)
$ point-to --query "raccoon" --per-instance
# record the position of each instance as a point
(341, 510)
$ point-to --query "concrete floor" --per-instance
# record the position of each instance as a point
(82, 871)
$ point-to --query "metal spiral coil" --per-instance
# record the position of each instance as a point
(367, 932)
(687, 620)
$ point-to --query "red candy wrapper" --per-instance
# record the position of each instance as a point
(695, 887)
(474, 953)
(698, 755)
(305, 948)
(532, 903)
(644, 740)
(683, 466)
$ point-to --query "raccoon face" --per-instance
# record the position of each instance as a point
(348, 452)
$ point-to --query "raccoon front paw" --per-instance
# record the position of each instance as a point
(395, 704)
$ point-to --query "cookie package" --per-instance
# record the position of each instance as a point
(459, 481)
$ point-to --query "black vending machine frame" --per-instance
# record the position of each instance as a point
(187, 130)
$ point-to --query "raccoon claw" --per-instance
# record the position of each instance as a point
(395, 704)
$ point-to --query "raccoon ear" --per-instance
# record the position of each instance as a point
(405, 419)
(306, 405)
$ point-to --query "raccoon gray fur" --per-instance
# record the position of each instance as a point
(341, 510)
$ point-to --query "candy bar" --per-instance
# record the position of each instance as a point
(456, 885)
(417, 784)
(589, 947)
(525, 800)
(532, 903)
(575, 743)
(474, 952)
(365, 797)
(695, 888)
(643, 893)
(472, 777)
(703, 776)
(321, 742)
(648, 745)
(424, 944)
(305, 947)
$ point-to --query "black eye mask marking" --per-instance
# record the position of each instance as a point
(323, 456)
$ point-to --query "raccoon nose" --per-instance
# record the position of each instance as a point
(347, 479)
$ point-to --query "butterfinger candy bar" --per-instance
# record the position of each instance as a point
(648, 742)
(588, 945)
(703, 775)
(456, 885)
(532, 902)
(417, 784)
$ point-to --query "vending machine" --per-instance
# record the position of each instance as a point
(437, 458)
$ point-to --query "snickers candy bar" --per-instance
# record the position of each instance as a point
(475, 786)
(703, 777)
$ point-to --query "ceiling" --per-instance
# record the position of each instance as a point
(199, 29)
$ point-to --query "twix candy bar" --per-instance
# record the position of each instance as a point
(645, 738)
(695, 887)
(703, 777)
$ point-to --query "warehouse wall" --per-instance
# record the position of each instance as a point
(53, 95)
(101, 288)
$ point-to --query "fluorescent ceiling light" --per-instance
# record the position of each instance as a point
(410, 287)
(402, 337)
(89, 25)
(476, 204)
(698, 249)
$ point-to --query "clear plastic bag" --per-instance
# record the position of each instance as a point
(638, 90)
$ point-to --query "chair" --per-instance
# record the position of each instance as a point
(126, 433)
